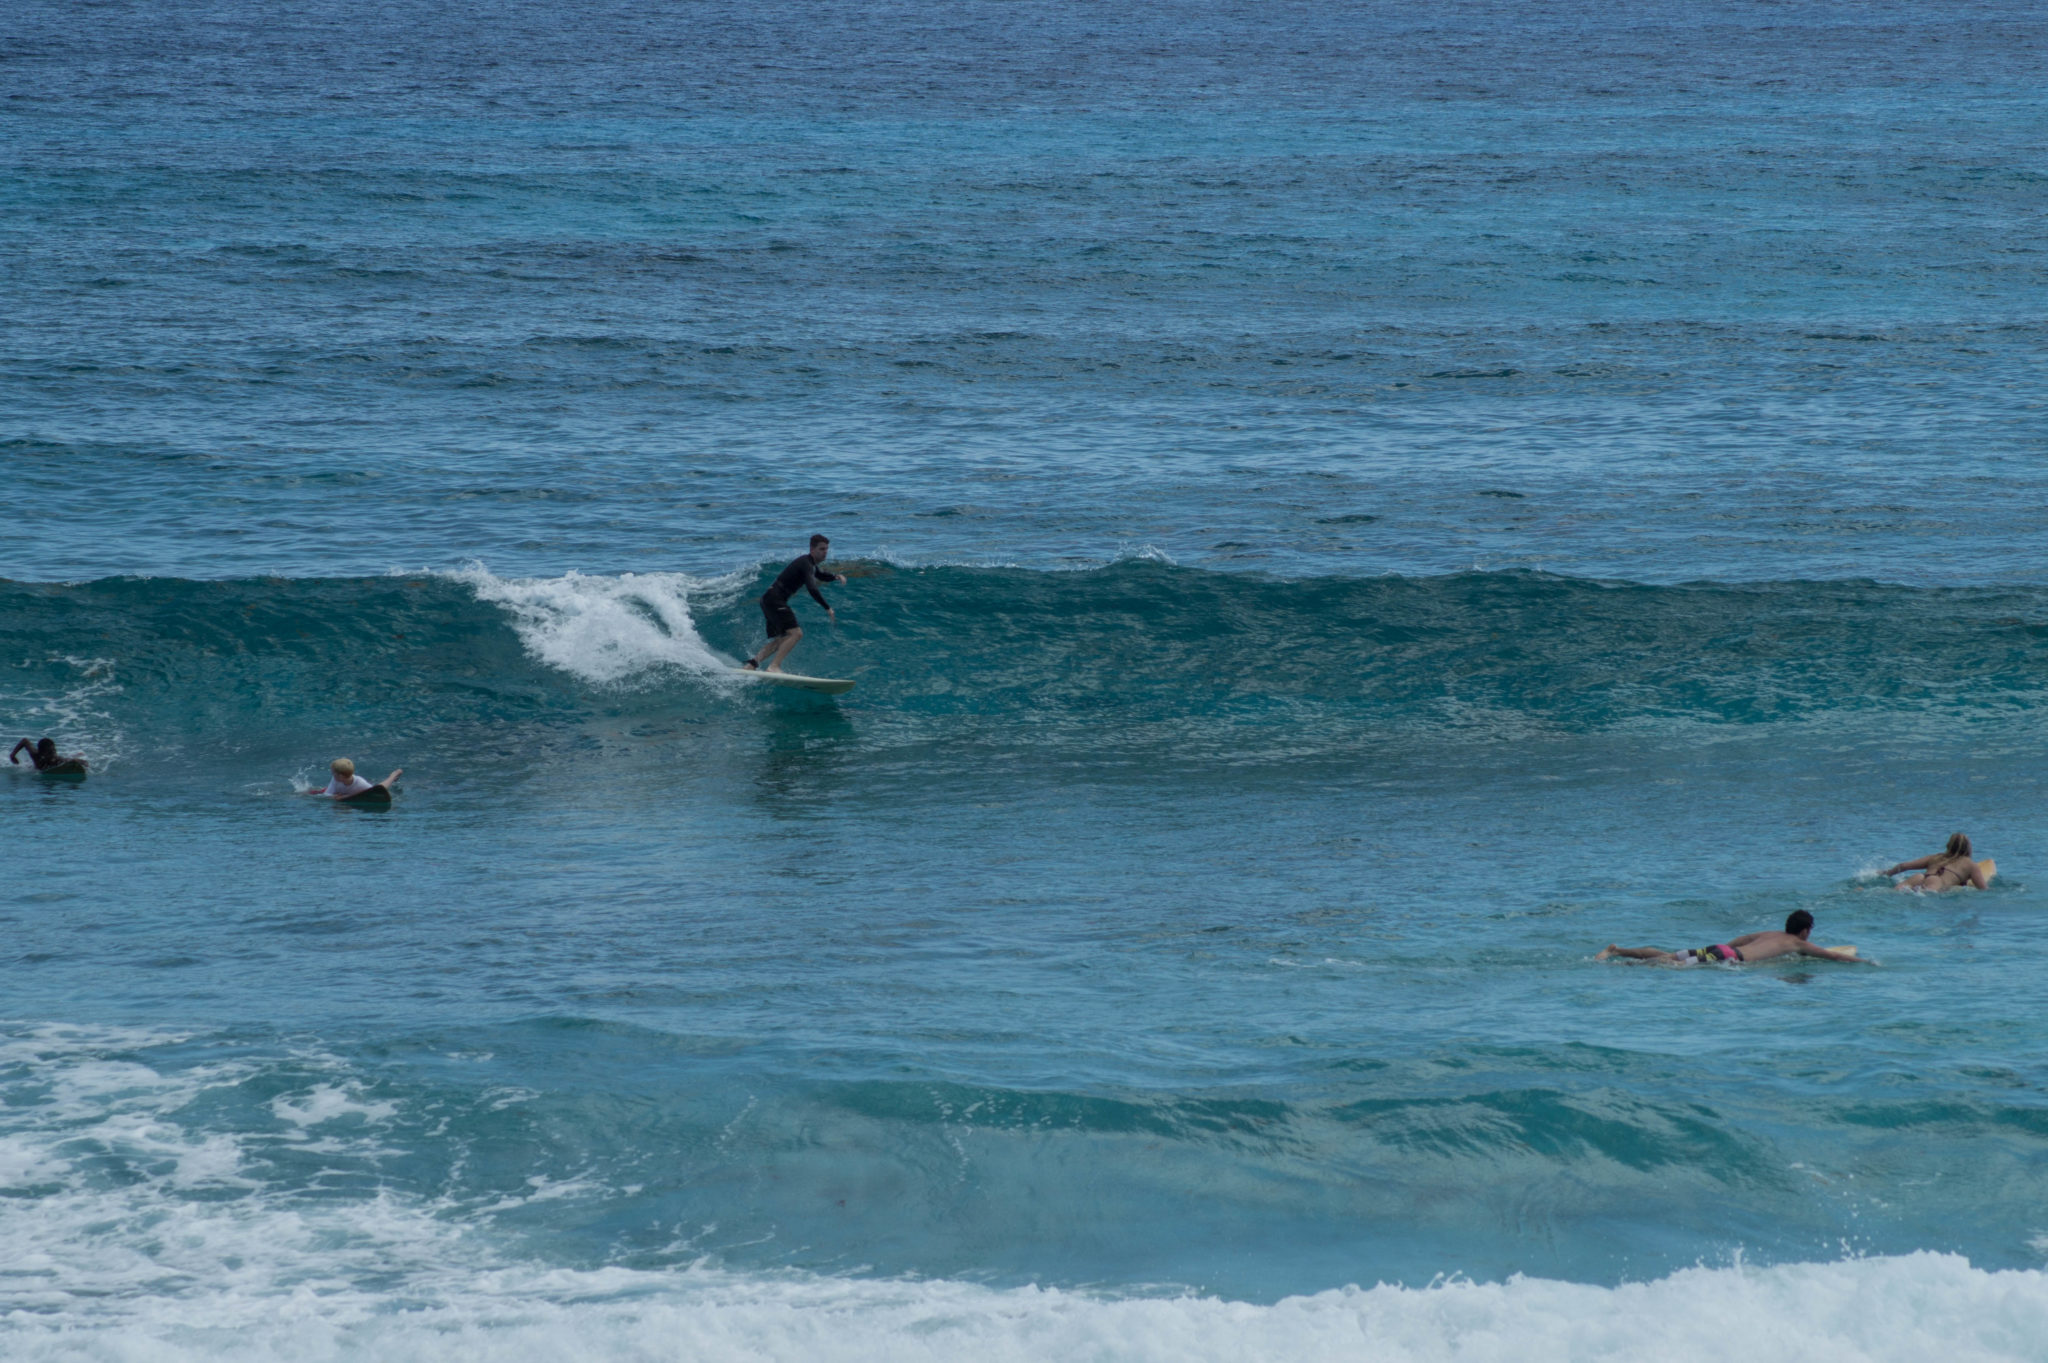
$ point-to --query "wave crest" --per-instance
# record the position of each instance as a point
(1130, 661)
(610, 630)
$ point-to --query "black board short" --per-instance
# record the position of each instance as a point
(781, 619)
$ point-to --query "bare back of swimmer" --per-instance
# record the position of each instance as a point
(1951, 868)
(1751, 946)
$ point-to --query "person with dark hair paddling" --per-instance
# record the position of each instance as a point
(44, 755)
(1751, 946)
(1949, 869)
(802, 574)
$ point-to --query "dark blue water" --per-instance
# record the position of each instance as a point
(1355, 507)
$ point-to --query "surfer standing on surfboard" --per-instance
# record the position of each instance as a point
(1751, 946)
(783, 630)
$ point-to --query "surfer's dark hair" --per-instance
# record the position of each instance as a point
(817, 540)
(47, 748)
(1800, 923)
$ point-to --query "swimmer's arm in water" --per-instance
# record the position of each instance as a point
(1918, 865)
(1977, 878)
(15, 755)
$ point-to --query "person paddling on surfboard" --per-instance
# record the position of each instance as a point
(1751, 946)
(346, 785)
(44, 755)
(783, 630)
(1949, 869)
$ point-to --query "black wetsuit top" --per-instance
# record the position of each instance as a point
(801, 572)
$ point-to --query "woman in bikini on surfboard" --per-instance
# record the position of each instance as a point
(1948, 869)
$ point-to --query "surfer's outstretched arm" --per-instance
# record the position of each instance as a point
(811, 586)
(1918, 864)
(386, 782)
(14, 756)
(1830, 954)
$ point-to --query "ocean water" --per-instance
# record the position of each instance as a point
(1355, 507)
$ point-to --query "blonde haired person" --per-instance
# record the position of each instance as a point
(1948, 869)
(346, 785)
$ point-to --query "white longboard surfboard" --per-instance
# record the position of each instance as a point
(831, 686)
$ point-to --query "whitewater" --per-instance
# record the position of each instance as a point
(189, 1257)
(191, 1260)
(1350, 507)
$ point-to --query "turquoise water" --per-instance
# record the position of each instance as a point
(1357, 508)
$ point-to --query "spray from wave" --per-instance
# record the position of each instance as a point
(611, 630)
(76, 708)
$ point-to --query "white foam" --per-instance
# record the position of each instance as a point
(76, 716)
(1911, 1307)
(195, 1254)
(612, 630)
(327, 1103)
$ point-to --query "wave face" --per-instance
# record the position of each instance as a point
(1138, 659)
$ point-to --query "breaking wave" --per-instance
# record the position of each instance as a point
(1137, 657)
